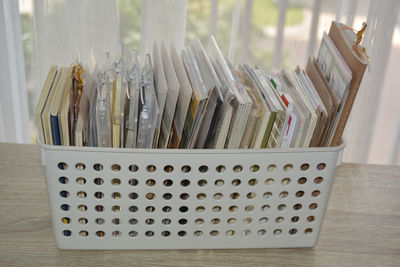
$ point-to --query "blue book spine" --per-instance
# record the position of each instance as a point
(55, 130)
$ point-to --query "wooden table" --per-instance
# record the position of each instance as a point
(361, 227)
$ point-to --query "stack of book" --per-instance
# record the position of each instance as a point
(195, 98)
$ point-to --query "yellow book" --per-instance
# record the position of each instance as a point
(116, 112)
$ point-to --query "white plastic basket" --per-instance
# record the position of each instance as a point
(105, 198)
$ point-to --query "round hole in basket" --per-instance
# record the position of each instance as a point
(99, 221)
(133, 182)
(231, 221)
(182, 233)
(267, 195)
(297, 206)
(321, 166)
(97, 167)
(254, 168)
(182, 221)
(202, 182)
(65, 207)
(166, 209)
(150, 209)
(151, 168)
(133, 233)
(99, 208)
(269, 181)
(63, 180)
(216, 208)
(64, 194)
(116, 195)
(98, 181)
(261, 232)
(62, 165)
(82, 207)
(235, 195)
(265, 207)
(236, 182)
(233, 208)
(217, 196)
(220, 168)
(310, 218)
(286, 181)
(185, 182)
(200, 208)
(67, 233)
(271, 167)
(186, 168)
(251, 195)
(199, 221)
(293, 231)
(116, 233)
(277, 231)
(81, 194)
(215, 221)
(115, 167)
(288, 167)
(183, 209)
(150, 196)
(214, 233)
(281, 207)
(283, 194)
(253, 182)
(279, 219)
(237, 168)
(313, 206)
(316, 193)
(116, 208)
(167, 182)
(263, 220)
(100, 233)
(308, 230)
(304, 166)
(230, 233)
(246, 232)
(184, 196)
(80, 166)
(150, 182)
(168, 168)
(203, 168)
(115, 182)
(133, 195)
(80, 180)
(247, 220)
(116, 221)
(198, 233)
(165, 233)
(149, 233)
(167, 196)
(300, 193)
(66, 220)
(133, 221)
(201, 196)
(83, 233)
(318, 180)
(219, 182)
(82, 220)
(133, 208)
(149, 221)
(249, 208)
(302, 180)
(133, 168)
(99, 195)
(295, 219)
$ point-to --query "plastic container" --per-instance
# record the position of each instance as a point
(105, 198)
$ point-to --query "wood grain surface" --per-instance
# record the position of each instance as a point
(361, 227)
